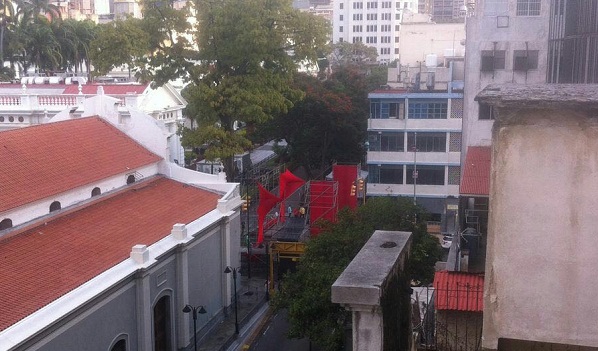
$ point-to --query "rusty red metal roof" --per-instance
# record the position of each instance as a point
(40, 264)
(458, 291)
(476, 171)
(48, 159)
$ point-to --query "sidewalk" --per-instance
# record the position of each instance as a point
(252, 302)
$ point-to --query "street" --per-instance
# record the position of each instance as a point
(273, 337)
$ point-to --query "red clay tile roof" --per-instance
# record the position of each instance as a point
(458, 291)
(109, 89)
(43, 263)
(476, 171)
(44, 160)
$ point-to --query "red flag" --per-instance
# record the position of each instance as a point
(288, 184)
(267, 202)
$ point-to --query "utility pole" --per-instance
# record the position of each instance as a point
(415, 168)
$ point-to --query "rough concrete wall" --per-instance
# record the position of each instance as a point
(542, 246)
(458, 330)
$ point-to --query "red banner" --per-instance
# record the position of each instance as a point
(267, 202)
(346, 176)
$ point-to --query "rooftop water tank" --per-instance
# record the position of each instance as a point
(431, 60)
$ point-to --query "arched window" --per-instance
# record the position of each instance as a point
(131, 179)
(55, 206)
(121, 345)
(6, 223)
(96, 191)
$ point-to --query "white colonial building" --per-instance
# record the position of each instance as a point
(104, 241)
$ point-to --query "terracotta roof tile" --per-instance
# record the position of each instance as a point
(43, 160)
(43, 263)
(458, 291)
(476, 172)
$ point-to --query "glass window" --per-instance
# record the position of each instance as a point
(427, 142)
(392, 141)
(426, 175)
(524, 60)
(486, 112)
(426, 109)
(528, 7)
(493, 59)
(386, 174)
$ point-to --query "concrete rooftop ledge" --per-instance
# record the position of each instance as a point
(361, 282)
(541, 96)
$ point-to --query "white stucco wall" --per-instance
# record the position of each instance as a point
(41, 208)
(420, 39)
(514, 33)
(542, 248)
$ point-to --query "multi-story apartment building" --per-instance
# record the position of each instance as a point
(414, 141)
(374, 23)
(507, 42)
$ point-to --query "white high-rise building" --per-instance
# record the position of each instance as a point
(374, 23)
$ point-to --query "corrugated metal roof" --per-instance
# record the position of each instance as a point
(476, 171)
(458, 291)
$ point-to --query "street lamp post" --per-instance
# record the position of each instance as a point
(195, 310)
(227, 270)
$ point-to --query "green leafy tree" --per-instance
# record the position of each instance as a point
(121, 42)
(322, 128)
(306, 293)
(75, 38)
(241, 68)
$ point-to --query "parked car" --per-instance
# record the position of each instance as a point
(447, 241)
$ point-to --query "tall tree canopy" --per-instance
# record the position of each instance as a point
(326, 126)
(247, 52)
(306, 293)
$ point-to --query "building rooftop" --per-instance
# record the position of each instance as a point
(458, 291)
(541, 96)
(42, 263)
(48, 159)
(476, 171)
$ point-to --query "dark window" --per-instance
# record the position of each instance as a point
(524, 60)
(386, 174)
(5, 223)
(55, 206)
(392, 110)
(486, 112)
(428, 109)
(427, 142)
(493, 59)
(121, 345)
(11, 119)
(426, 175)
(375, 109)
(130, 179)
(21, 119)
(392, 141)
(95, 192)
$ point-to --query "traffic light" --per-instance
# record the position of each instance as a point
(353, 189)
(246, 202)
(360, 184)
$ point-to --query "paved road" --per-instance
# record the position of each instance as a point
(273, 337)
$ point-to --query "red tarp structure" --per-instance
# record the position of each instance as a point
(288, 184)
(345, 175)
(322, 203)
(267, 202)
